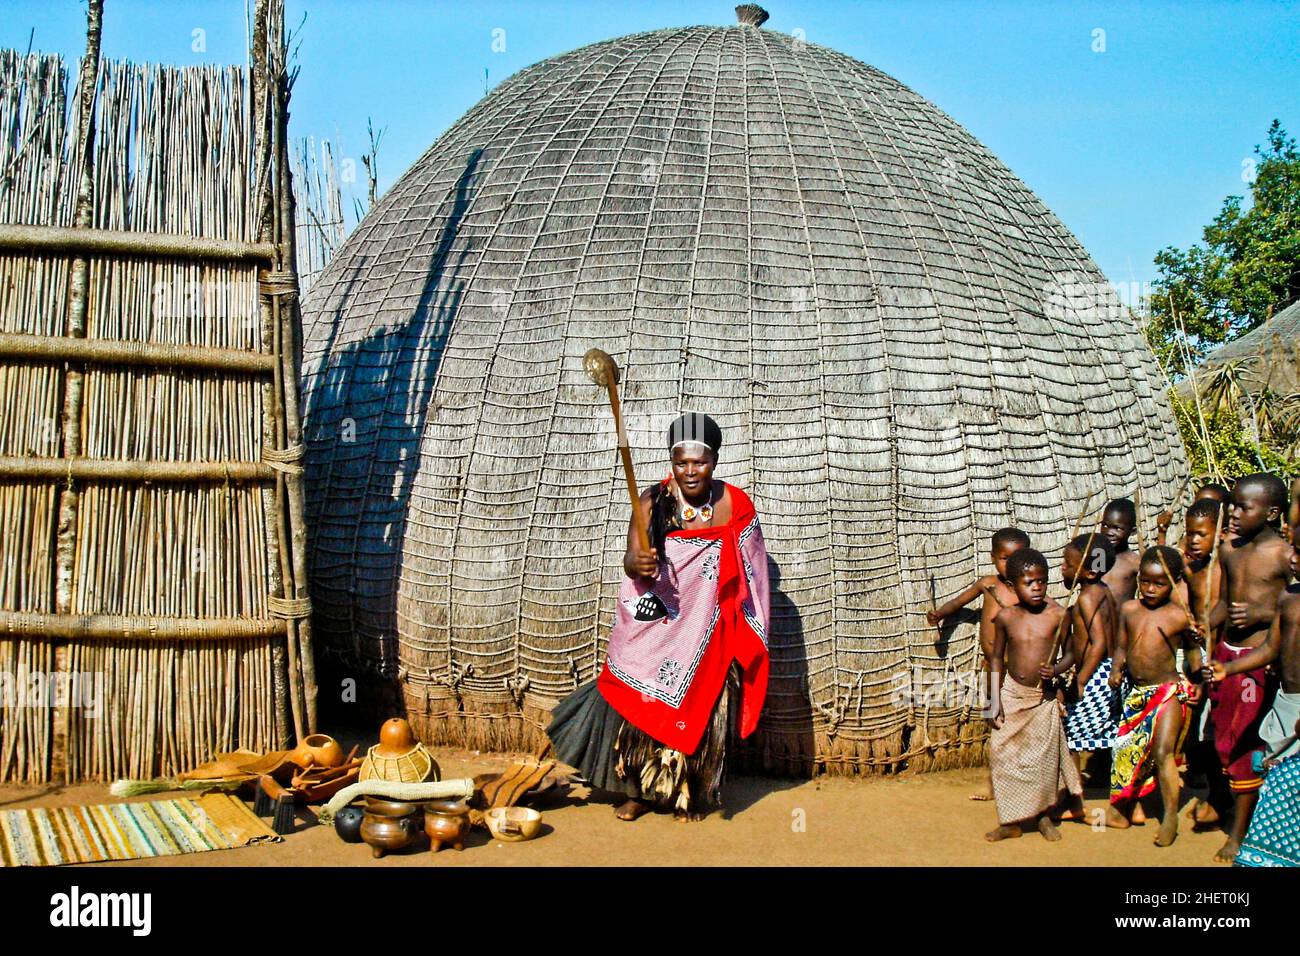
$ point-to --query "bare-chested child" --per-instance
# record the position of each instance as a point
(1273, 838)
(1204, 589)
(1117, 523)
(1256, 571)
(1152, 629)
(1089, 725)
(996, 593)
(1281, 646)
(1028, 758)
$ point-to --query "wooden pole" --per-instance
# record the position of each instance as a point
(128, 627)
(41, 348)
(85, 241)
(1069, 597)
(290, 326)
(74, 379)
(1209, 590)
(71, 470)
(603, 370)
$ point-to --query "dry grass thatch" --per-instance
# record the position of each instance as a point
(877, 312)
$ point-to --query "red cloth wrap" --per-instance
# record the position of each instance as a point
(650, 665)
(1237, 704)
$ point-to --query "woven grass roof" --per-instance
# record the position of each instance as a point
(1267, 356)
(881, 316)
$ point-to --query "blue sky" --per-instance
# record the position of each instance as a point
(1134, 147)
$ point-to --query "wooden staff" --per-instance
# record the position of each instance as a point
(1209, 584)
(1069, 598)
(1178, 495)
(1137, 517)
(1173, 588)
(603, 370)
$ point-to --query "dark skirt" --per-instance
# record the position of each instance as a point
(612, 754)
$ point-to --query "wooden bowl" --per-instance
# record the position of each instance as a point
(513, 824)
(317, 750)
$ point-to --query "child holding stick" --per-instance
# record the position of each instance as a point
(1028, 758)
(997, 593)
(1152, 628)
(1205, 522)
(1256, 569)
(1273, 838)
(1089, 726)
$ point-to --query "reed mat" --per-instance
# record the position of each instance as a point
(53, 836)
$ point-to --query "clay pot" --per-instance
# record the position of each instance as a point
(347, 824)
(446, 822)
(395, 738)
(389, 825)
(317, 750)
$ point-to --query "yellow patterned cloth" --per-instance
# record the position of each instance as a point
(1132, 765)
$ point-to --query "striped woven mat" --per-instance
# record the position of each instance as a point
(52, 836)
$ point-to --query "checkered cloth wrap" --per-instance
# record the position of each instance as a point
(1088, 725)
(675, 637)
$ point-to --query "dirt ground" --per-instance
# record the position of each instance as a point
(918, 820)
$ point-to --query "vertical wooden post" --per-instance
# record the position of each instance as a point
(65, 554)
(290, 328)
(287, 683)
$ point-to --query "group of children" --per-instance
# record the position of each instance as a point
(1175, 659)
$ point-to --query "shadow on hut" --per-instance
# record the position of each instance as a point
(785, 744)
(392, 366)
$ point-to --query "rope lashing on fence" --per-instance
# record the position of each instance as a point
(289, 608)
(277, 283)
(284, 460)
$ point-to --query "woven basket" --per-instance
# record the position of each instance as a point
(414, 766)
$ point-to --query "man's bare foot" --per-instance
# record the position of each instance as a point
(1116, 820)
(1139, 815)
(1048, 829)
(681, 817)
(632, 809)
(1168, 831)
(1009, 832)
(1228, 852)
(984, 793)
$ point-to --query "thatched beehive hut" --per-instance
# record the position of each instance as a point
(901, 343)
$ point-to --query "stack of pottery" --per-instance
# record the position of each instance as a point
(399, 757)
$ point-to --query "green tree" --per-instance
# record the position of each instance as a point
(1247, 265)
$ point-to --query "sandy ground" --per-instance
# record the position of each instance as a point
(923, 819)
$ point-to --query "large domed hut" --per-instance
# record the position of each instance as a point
(904, 348)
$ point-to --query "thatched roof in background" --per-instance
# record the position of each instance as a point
(756, 227)
(1266, 357)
